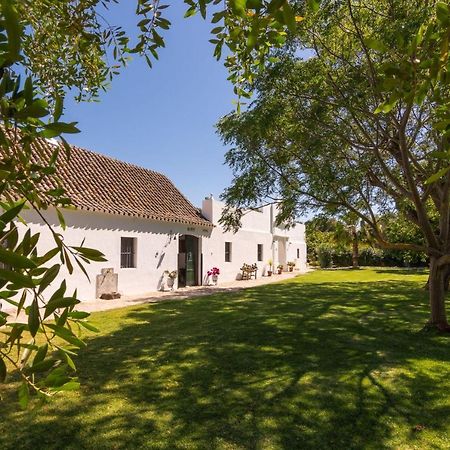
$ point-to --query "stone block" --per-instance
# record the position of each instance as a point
(106, 283)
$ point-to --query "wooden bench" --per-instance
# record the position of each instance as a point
(249, 271)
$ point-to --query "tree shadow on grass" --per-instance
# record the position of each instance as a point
(403, 271)
(292, 365)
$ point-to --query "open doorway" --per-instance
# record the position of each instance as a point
(188, 260)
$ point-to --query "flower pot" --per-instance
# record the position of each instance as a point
(291, 269)
(280, 271)
(269, 273)
(214, 279)
(170, 283)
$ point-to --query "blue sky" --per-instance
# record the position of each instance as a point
(163, 118)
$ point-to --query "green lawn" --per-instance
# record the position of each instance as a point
(331, 359)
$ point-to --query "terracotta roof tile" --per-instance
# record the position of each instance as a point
(95, 182)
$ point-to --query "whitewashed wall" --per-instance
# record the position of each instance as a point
(157, 248)
(257, 228)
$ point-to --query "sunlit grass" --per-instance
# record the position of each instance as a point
(332, 359)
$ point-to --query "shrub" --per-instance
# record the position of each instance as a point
(341, 258)
(324, 255)
(371, 257)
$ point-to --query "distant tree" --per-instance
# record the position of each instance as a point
(330, 234)
(319, 236)
(347, 233)
(397, 229)
(362, 126)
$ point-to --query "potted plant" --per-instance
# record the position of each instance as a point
(291, 265)
(214, 274)
(269, 270)
(171, 278)
(280, 268)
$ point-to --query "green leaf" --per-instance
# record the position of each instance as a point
(57, 128)
(58, 303)
(23, 297)
(61, 219)
(16, 278)
(69, 386)
(40, 354)
(90, 253)
(314, 5)
(59, 106)
(375, 44)
(24, 395)
(41, 366)
(12, 212)
(386, 106)
(66, 334)
(78, 315)
(49, 276)
(13, 29)
(390, 83)
(2, 370)
(89, 327)
(441, 155)
(62, 319)
(144, 22)
(442, 13)
(238, 7)
(289, 17)
(28, 90)
(28, 243)
(420, 33)
(254, 4)
(59, 292)
(15, 260)
(218, 16)
(8, 294)
(57, 377)
(38, 109)
(68, 359)
(48, 256)
(435, 177)
(190, 12)
(68, 262)
(34, 319)
(252, 40)
(274, 6)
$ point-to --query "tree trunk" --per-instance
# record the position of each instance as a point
(355, 248)
(446, 280)
(438, 318)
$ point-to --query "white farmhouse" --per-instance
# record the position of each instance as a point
(146, 227)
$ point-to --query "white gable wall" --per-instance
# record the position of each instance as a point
(157, 246)
(243, 250)
(257, 228)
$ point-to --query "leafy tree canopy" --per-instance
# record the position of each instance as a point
(360, 127)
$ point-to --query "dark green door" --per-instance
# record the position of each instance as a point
(191, 260)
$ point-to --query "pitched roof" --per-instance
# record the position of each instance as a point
(96, 182)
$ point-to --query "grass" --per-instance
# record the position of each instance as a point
(328, 360)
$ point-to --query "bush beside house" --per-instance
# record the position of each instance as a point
(325, 249)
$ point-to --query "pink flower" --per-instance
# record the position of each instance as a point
(213, 271)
